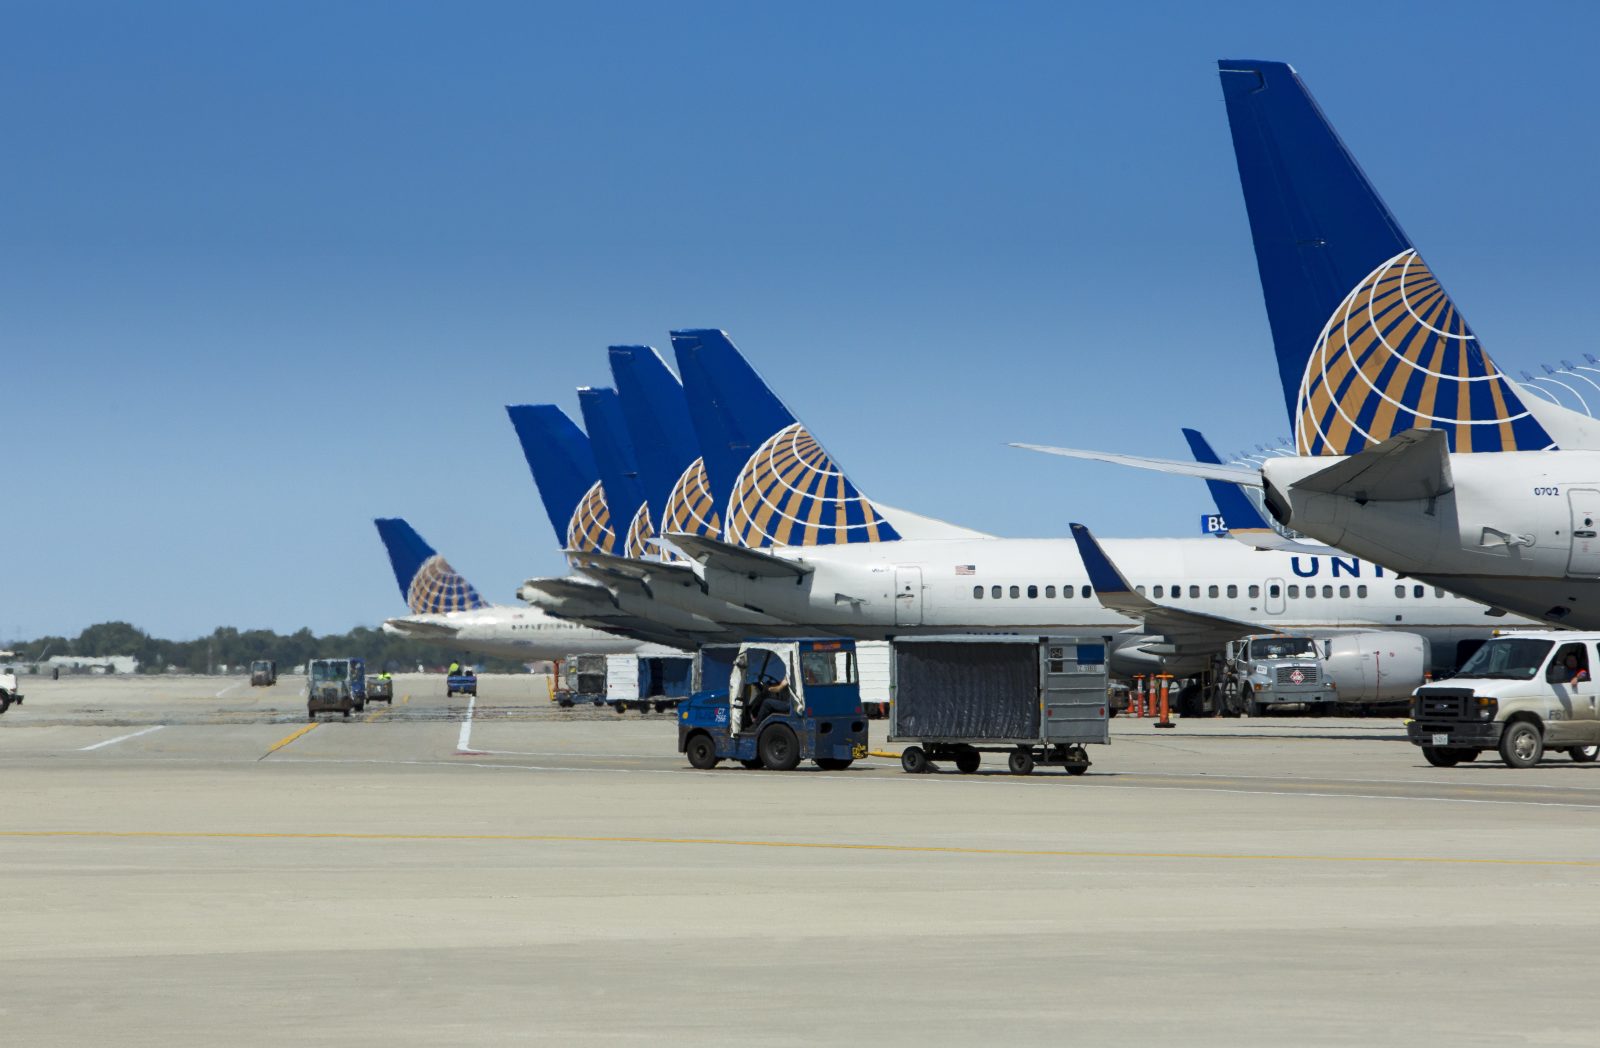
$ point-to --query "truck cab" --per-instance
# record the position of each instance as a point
(8, 685)
(785, 701)
(335, 685)
(1273, 669)
(1521, 694)
(263, 673)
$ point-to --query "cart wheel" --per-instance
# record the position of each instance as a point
(621, 709)
(1077, 769)
(346, 714)
(310, 716)
(1021, 762)
(914, 760)
(967, 761)
(779, 748)
(702, 752)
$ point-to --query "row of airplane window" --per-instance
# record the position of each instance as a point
(536, 626)
(1176, 592)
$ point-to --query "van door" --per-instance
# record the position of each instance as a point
(1584, 560)
(907, 595)
(1274, 597)
(1570, 716)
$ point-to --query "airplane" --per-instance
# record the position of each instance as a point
(1414, 449)
(446, 609)
(804, 546)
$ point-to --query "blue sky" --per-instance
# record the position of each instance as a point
(271, 270)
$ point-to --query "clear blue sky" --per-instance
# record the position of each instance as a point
(272, 269)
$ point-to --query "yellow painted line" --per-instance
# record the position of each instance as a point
(375, 714)
(541, 838)
(883, 753)
(405, 700)
(281, 743)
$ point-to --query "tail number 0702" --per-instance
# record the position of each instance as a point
(1547, 491)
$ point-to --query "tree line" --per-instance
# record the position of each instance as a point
(236, 649)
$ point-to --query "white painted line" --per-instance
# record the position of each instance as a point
(466, 726)
(121, 738)
(224, 691)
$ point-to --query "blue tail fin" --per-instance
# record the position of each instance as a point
(1236, 508)
(1369, 345)
(564, 469)
(427, 581)
(619, 470)
(664, 443)
(778, 484)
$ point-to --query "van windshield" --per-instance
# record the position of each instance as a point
(1507, 658)
(1282, 648)
(323, 671)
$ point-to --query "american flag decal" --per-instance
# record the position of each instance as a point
(966, 569)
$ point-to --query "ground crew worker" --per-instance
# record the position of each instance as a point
(455, 669)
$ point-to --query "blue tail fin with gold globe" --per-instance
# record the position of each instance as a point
(428, 583)
(1368, 342)
(564, 470)
(777, 484)
(618, 466)
(665, 446)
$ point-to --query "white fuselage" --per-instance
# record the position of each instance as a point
(1518, 530)
(928, 586)
(518, 633)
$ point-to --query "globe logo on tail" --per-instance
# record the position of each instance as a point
(1397, 355)
(690, 509)
(790, 493)
(590, 528)
(437, 588)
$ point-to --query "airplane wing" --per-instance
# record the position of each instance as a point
(1204, 470)
(1189, 632)
(418, 630)
(737, 560)
(1410, 465)
(631, 567)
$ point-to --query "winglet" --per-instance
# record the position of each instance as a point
(1104, 576)
(1231, 502)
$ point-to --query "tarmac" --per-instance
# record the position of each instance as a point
(189, 861)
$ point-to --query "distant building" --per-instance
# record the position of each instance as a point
(92, 663)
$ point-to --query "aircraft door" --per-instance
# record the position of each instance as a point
(1274, 597)
(907, 595)
(1585, 557)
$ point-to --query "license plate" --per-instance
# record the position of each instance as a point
(1441, 738)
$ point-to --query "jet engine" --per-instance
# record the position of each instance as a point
(1375, 666)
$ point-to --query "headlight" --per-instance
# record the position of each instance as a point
(1486, 707)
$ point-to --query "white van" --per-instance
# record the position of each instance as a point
(1520, 694)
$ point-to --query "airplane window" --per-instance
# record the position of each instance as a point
(1158, 593)
(977, 592)
(1049, 591)
(1255, 591)
(1361, 591)
(1437, 592)
(1417, 591)
(1139, 590)
(1088, 591)
(1177, 591)
(1344, 591)
(1327, 591)
(1213, 592)
(1033, 592)
(1399, 591)
(994, 591)
(1016, 591)
(1066, 591)
(1194, 591)
(1233, 591)
(1294, 591)
(1274, 590)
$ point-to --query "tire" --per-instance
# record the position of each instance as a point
(967, 761)
(346, 714)
(1020, 762)
(752, 765)
(1584, 754)
(914, 759)
(834, 763)
(1440, 757)
(1522, 745)
(620, 708)
(779, 748)
(1077, 769)
(5, 703)
(701, 751)
(310, 716)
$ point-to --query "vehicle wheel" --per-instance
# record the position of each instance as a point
(914, 759)
(1584, 754)
(967, 761)
(1522, 745)
(1440, 758)
(310, 716)
(346, 714)
(702, 752)
(599, 702)
(1077, 769)
(779, 748)
(620, 708)
(753, 765)
(834, 763)
(661, 707)
(5, 703)
(1021, 762)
